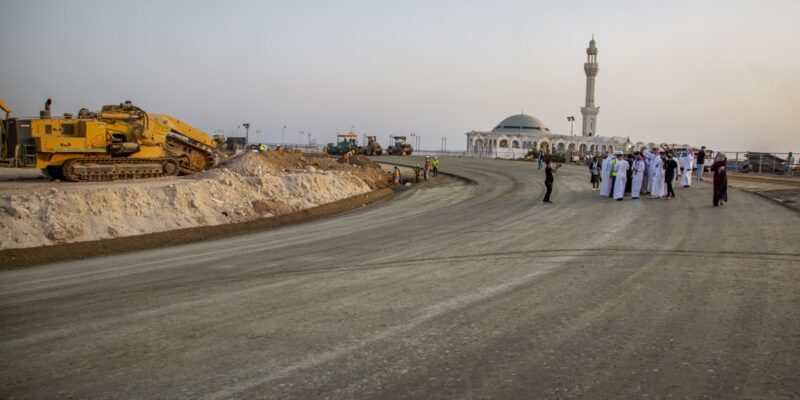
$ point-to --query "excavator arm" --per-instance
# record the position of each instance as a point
(181, 128)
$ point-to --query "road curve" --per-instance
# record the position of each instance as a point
(474, 291)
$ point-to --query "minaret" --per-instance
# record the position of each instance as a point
(590, 111)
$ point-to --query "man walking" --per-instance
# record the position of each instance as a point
(548, 180)
(594, 168)
(701, 160)
(671, 167)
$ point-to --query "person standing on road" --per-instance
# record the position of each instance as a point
(605, 173)
(646, 173)
(701, 160)
(686, 166)
(548, 180)
(720, 179)
(427, 167)
(651, 157)
(594, 168)
(540, 158)
(670, 168)
(789, 162)
(621, 179)
(435, 166)
(638, 177)
(614, 162)
(417, 171)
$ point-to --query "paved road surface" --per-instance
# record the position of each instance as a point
(480, 291)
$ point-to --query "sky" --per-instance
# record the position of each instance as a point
(717, 73)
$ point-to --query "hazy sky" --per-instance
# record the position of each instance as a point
(721, 73)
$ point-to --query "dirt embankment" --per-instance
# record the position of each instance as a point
(246, 188)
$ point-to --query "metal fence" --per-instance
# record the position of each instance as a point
(768, 163)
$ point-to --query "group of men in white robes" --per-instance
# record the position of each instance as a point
(647, 173)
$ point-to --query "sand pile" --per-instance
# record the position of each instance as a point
(244, 188)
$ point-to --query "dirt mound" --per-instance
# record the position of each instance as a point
(244, 188)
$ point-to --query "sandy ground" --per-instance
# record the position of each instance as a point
(38, 212)
(467, 292)
(783, 190)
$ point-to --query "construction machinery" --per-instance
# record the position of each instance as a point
(344, 142)
(372, 148)
(118, 142)
(400, 147)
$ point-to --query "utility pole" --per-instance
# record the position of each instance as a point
(283, 135)
(308, 143)
(246, 126)
(301, 137)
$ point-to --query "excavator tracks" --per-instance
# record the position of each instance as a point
(192, 157)
(110, 169)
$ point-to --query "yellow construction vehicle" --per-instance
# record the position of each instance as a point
(117, 142)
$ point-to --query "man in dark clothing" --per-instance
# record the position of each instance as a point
(548, 179)
(629, 183)
(700, 161)
(669, 175)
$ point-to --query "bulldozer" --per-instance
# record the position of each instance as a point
(400, 147)
(372, 148)
(118, 142)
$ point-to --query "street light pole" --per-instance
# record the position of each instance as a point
(246, 126)
(571, 120)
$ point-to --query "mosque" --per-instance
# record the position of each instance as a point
(518, 134)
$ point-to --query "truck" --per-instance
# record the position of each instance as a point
(120, 141)
(344, 142)
(400, 147)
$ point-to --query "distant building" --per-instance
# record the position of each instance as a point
(518, 134)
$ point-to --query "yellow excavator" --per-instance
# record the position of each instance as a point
(118, 142)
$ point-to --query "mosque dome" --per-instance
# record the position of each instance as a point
(520, 122)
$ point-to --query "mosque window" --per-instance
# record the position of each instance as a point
(504, 143)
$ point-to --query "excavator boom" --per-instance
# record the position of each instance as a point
(184, 129)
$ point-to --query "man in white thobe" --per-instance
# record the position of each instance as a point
(638, 177)
(658, 190)
(686, 166)
(622, 178)
(651, 158)
(605, 175)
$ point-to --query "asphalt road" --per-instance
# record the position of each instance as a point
(475, 291)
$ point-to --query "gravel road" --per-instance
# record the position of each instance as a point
(475, 291)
